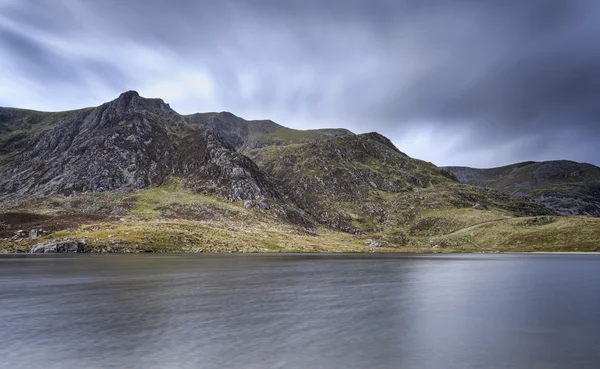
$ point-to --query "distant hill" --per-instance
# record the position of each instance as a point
(566, 187)
(133, 175)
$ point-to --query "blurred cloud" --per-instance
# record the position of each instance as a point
(464, 82)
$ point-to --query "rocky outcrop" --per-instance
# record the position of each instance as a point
(52, 247)
(210, 164)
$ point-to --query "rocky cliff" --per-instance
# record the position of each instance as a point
(123, 145)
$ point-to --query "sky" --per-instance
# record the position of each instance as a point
(456, 82)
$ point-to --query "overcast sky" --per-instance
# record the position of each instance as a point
(455, 82)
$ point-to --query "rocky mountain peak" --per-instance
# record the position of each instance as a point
(128, 143)
(132, 101)
(129, 94)
(132, 109)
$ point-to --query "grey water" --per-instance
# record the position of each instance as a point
(300, 311)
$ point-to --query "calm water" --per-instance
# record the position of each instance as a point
(300, 311)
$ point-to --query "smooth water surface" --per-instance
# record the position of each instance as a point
(300, 311)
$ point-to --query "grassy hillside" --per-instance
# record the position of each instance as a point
(170, 218)
(549, 234)
(363, 184)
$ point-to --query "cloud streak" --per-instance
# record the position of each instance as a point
(480, 83)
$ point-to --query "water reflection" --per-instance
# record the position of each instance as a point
(299, 311)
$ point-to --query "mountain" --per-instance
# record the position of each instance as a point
(355, 183)
(126, 144)
(133, 175)
(566, 187)
(246, 135)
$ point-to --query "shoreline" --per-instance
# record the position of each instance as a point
(554, 252)
(296, 252)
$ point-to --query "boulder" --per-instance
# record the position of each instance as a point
(263, 205)
(373, 243)
(57, 247)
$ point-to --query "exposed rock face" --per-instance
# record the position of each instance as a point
(566, 187)
(208, 162)
(126, 144)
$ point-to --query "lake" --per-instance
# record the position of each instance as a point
(300, 311)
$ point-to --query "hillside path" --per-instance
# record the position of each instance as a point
(475, 226)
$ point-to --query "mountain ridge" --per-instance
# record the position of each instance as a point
(566, 187)
(214, 182)
(246, 135)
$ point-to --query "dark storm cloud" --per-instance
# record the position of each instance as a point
(42, 64)
(34, 59)
(455, 82)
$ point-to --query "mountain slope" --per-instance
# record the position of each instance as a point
(566, 187)
(129, 143)
(364, 184)
(134, 175)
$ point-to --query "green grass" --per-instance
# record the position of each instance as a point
(453, 219)
(253, 232)
(291, 136)
(177, 235)
(147, 202)
(564, 234)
